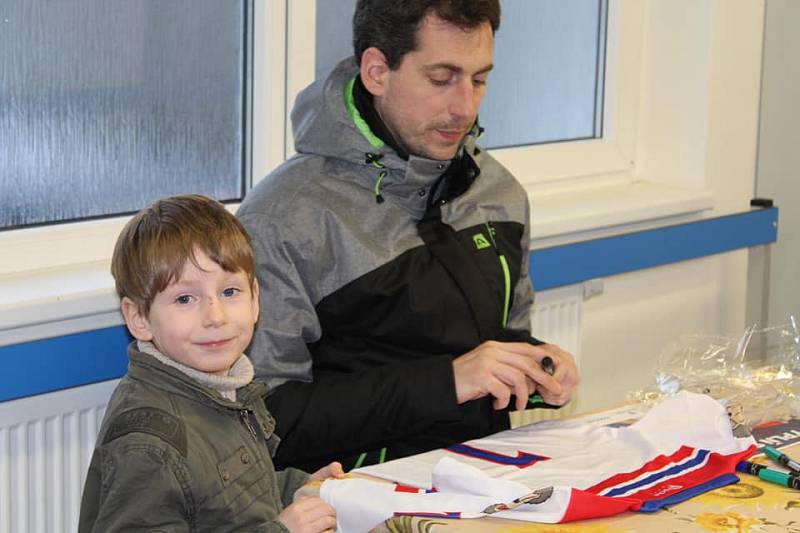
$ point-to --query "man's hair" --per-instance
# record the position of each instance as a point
(391, 25)
(154, 246)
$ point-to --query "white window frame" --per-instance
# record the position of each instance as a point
(609, 158)
(578, 189)
(55, 280)
(573, 186)
(71, 244)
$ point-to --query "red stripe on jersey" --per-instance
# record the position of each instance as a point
(716, 466)
(583, 505)
(651, 466)
(406, 488)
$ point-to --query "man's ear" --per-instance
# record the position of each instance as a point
(374, 71)
(254, 300)
(137, 323)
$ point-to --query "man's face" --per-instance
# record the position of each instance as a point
(203, 320)
(431, 100)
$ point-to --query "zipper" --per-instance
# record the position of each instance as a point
(506, 272)
(250, 421)
(245, 414)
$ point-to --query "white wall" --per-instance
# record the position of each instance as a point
(779, 151)
(699, 127)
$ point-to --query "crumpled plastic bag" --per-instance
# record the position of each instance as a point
(756, 375)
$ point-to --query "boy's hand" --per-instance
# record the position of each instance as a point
(309, 515)
(332, 470)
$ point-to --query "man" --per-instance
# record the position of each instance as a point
(393, 252)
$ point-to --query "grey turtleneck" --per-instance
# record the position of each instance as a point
(239, 374)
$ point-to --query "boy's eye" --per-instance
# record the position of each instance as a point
(183, 299)
(230, 291)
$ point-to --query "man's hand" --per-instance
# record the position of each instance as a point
(566, 374)
(334, 470)
(503, 369)
(308, 515)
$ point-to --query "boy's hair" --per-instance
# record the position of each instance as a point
(391, 25)
(156, 243)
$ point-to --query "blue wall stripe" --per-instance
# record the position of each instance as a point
(573, 263)
(62, 362)
(73, 360)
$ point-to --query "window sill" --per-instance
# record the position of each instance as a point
(564, 217)
(40, 304)
(59, 301)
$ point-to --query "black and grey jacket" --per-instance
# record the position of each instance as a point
(376, 271)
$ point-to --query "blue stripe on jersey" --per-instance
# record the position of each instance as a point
(651, 506)
(652, 479)
(522, 460)
(452, 515)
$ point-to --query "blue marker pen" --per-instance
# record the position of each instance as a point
(782, 459)
(749, 468)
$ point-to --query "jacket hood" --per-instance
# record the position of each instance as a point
(323, 124)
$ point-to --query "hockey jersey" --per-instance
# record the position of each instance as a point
(555, 471)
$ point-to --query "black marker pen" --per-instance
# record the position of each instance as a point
(783, 459)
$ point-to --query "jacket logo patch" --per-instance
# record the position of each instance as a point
(480, 241)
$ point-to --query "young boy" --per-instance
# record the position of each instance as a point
(186, 441)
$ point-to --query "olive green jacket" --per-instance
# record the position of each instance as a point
(173, 455)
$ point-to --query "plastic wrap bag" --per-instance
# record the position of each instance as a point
(756, 375)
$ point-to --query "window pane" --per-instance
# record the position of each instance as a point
(547, 82)
(110, 104)
(334, 38)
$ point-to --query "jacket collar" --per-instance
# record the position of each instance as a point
(365, 105)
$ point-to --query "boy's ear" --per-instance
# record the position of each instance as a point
(254, 300)
(374, 71)
(137, 323)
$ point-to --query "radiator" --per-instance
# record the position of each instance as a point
(556, 319)
(46, 443)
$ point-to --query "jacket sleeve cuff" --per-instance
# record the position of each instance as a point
(289, 481)
(274, 526)
(432, 390)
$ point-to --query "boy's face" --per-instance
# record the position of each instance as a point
(204, 320)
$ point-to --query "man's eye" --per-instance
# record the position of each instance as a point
(479, 81)
(440, 82)
(183, 299)
(230, 291)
